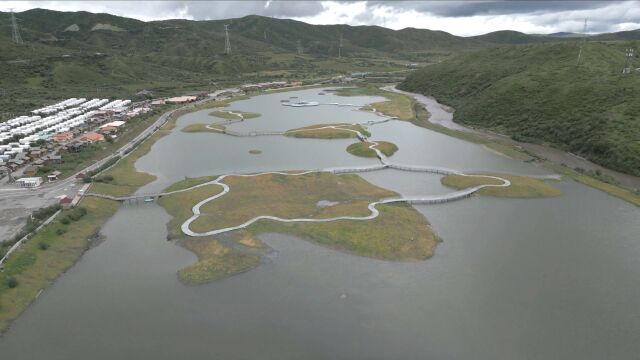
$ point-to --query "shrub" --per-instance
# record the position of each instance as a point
(61, 231)
(12, 282)
(77, 213)
(65, 221)
(43, 245)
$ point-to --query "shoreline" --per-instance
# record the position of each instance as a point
(555, 159)
(165, 121)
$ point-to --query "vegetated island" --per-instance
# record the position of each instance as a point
(234, 114)
(328, 131)
(521, 186)
(214, 128)
(363, 149)
(399, 233)
(396, 105)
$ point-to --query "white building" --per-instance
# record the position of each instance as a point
(29, 182)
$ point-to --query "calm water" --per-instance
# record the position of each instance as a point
(513, 279)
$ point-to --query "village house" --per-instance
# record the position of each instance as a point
(108, 130)
(63, 136)
(66, 202)
(53, 176)
(75, 146)
(52, 159)
(29, 182)
(92, 137)
(181, 99)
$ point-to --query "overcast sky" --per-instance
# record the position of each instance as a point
(457, 17)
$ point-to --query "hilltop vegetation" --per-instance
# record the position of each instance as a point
(83, 54)
(536, 93)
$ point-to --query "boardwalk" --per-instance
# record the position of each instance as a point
(384, 164)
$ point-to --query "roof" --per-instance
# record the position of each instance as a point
(66, 200)
(29, 179)
(93, 137)
(182, 99)
(116, 123)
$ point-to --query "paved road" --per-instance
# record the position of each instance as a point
(16, 204)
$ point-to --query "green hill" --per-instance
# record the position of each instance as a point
(86, 54)
(537, 93)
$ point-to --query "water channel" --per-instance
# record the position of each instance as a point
(538, 279)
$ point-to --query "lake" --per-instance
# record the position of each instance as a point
(552, 278)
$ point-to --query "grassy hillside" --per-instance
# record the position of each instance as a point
(84, 54)
(537, 93)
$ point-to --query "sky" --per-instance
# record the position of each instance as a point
(463, 18)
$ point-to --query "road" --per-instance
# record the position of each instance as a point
(17, 204)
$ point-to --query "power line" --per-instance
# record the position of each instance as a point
(227, 42)
(15, 32)
(628, 61)
(584, 39)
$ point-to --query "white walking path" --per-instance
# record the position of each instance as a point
(372, 206)
(384, 164)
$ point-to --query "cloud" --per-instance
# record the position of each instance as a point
(472, 8)
(457, 17)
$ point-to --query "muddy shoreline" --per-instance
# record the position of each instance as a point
(551, 154)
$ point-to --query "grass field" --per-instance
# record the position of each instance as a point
(399, 233)
(234, 114)
(310, 132)
(397, 105)
(39, 261)
(362, 149)
(521, 186)
(215, 261)
(189, 182)
(192, 128)
(617, 191)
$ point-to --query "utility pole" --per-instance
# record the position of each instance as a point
(628, 61)
(227, 42)
(340, 47)
(299, 47)
(584, 39)
(15, 32)
(265, 35)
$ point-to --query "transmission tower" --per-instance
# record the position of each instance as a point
(628, 61)
(227, 42)
(584, 39)
(299, 47)
(340, 47)
(15, 34)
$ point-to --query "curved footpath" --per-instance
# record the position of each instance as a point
(384, 164)
(372, 206)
